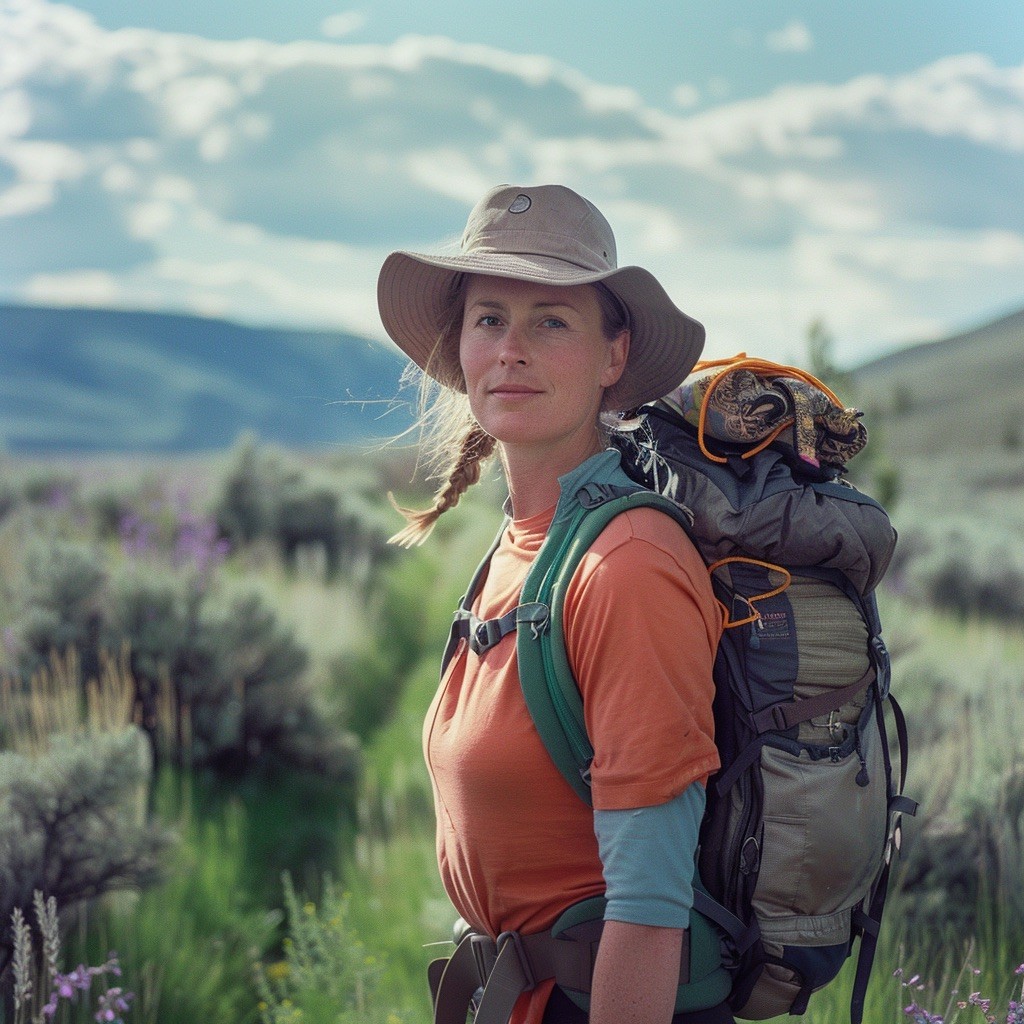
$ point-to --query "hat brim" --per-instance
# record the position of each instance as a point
(665, 343)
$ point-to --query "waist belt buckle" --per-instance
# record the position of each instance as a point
(524, 961)
(485, 952)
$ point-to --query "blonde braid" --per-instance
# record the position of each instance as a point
(477, 446)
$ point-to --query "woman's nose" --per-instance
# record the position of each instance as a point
(513, 348)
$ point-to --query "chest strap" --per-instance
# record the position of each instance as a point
(483, 634)
(512, 964)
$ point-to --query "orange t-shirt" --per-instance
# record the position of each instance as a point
(515, 844)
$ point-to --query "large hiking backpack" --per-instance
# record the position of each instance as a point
(803, 817)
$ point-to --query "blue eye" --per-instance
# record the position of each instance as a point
(553, 321)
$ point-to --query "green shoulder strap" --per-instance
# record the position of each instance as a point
(551, 693)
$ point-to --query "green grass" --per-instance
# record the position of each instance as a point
(186, 947)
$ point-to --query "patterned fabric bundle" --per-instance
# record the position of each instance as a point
(753, 402)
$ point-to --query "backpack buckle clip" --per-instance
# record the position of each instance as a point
(485, 635)
(836, 727)
(485, 954)
(524, 961)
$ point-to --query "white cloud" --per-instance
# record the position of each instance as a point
(193, 103)
(794, 38)
(833, 205)
(75, 288)
(949, 257)
(268, 181)
(686, 96)
(150, 219)
(26, 197)
(345, 23)
(15, 113)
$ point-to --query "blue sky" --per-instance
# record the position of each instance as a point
(772, 163)
(721, 49)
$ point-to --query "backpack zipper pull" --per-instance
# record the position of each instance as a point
(862, 776)
(755, 628)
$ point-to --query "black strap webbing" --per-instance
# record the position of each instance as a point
(789, 713)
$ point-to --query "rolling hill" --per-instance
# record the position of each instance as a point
(81, 381)
(960, 396)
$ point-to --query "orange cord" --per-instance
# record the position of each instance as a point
(755, 615)
(759, 367)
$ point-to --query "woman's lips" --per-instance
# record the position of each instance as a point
(513, 391)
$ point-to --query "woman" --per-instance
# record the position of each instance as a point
(533, 332)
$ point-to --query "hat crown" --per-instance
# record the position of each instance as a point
(544, 220)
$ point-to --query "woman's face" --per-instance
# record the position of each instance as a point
(536, 363)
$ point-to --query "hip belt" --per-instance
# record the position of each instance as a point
(493, 973)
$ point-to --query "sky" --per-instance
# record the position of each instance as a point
(773, 164)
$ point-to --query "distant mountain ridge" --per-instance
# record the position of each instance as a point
(954, 398)
(87, 380)
(81, 381)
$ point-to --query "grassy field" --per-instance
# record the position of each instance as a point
(284, 883)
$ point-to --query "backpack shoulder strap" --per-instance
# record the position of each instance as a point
(549, 687)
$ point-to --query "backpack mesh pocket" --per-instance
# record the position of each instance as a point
(823, 839)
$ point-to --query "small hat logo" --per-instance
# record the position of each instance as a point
(520, 204)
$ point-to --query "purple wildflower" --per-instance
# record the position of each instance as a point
(921, 1016)
(198, 542)
(58, 497)
(138, 535)
(67, 986)
(976, 999)
(111, 1004)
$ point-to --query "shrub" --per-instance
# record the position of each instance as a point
(251, 693)
(70, 822)
(155, 613)
(53, 488)
(307, 516)
(967, 567)
(959, 863)
(9, 498)
(112, 502)
(62, 602)
(244, 506)
(236, 675)
(325, 513)
(225, 670)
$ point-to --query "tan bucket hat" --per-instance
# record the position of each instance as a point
(551, 235)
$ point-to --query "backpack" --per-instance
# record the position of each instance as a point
(803, 818)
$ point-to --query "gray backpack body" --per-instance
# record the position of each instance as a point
(803, 818)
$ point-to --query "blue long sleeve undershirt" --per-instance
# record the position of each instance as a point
(648, 858)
